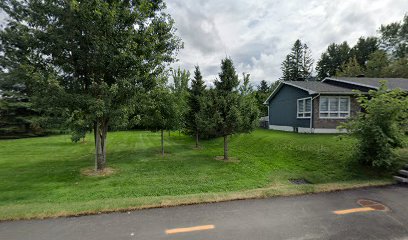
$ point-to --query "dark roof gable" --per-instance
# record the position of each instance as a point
(373, 83)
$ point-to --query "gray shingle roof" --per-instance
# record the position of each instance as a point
(392, 83)
(314, 87)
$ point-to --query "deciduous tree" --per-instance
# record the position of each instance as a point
(394, 38)
(94, 57)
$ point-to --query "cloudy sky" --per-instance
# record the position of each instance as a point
(258, 34)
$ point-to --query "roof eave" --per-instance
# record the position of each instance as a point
(350, 82)
(280, 86)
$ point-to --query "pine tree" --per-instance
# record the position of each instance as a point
(196, 92)
(18, 116)
(246, 87)
(298, 64)
(332, 60)
(261, 93)
(307, 63)
(287, 69)
(363, 49)
(351, 69)
(377, 64)
(225, 111)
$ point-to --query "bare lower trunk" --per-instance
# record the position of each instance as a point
(94, 130)
(162, 142)
(101, 130)
(196, 138)
(226, 147)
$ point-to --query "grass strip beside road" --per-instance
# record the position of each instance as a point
(43, 177)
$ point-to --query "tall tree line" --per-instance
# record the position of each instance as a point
(385, 55)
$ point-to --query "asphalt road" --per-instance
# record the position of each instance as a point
(300, 217)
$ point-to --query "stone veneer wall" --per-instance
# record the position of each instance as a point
(332, 123)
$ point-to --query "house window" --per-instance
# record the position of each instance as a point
(334, 107)
(304, 108)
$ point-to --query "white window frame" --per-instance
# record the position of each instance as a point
(328, 112)
(304, 108)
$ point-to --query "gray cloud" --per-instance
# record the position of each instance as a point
(258, 34)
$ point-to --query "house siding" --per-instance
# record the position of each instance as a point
(332, 123)
(283, 107)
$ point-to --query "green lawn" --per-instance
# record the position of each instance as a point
(40, 177)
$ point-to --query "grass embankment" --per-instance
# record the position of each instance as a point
(41, 177)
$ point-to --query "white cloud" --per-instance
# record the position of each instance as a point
(258, 34)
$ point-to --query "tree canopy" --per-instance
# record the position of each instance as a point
(332, 60)
(226, 112)
(94, 58)
(298, 64)
(196, 92)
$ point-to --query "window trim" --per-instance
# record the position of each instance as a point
(304, 108)
(338, 111)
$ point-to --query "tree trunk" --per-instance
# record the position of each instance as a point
(196, 138)
(94, 130)
(226, 147)
(101, 128)
(162, 143)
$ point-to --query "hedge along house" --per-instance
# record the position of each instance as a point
(320, 107)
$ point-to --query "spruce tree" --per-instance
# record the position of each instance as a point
(298, 64)
(227, 111)
(195, 93)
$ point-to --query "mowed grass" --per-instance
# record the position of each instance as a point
(41, 177)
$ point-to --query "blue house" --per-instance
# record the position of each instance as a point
(319, 107)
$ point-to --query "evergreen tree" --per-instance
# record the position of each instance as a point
(351, 69)
(332, 60)
(18, 117)
(363, 49)
(287, 70)
(261, 94)
(93, 57)
(224, 108)
(298, 63)
(246, 87)
(307, 63)
(196, 92)
(377, 64)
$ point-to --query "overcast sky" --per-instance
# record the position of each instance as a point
(258, 34)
